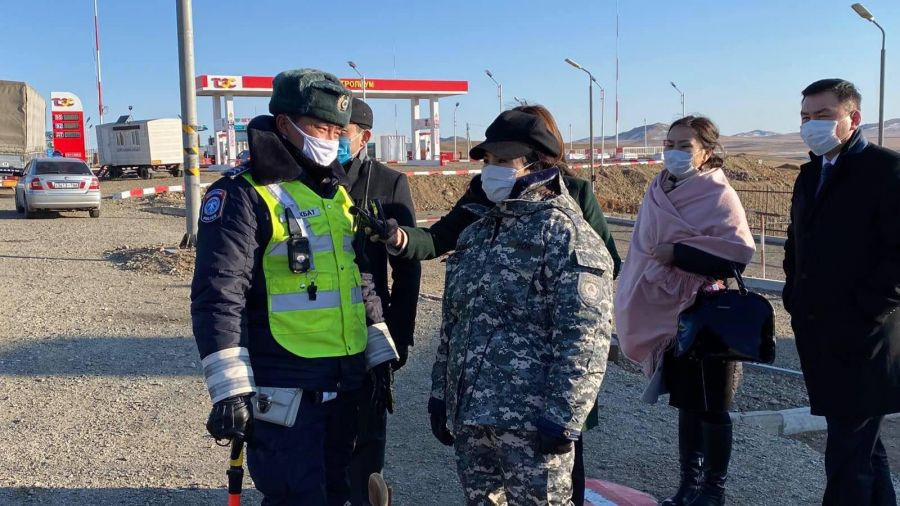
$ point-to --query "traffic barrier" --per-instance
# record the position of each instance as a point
(152, 190)
(463, 172)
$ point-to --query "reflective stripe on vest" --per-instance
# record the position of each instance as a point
(333, 322)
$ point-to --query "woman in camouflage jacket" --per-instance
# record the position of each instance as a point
(526, 326)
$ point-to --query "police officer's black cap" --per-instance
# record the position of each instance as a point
(361, 114)
(514, 134)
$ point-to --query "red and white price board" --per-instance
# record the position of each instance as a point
(67, 116)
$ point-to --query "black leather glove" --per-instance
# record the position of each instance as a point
(388, 235)
(553, 445)
(231, 418)
(383, 393)
(403, 351)
(438, 411)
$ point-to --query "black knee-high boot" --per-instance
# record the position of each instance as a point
(717, 439)
(689, 457)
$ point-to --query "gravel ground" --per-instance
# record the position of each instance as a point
(105, 403)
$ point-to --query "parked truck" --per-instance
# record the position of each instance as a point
(140, 146)
(22, 129)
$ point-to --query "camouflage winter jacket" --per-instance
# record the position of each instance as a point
(527, 315)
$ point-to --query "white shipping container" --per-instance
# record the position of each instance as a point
(391, 148)
(145, 143)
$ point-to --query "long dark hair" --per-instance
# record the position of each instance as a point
(545, 161)
(708, 135)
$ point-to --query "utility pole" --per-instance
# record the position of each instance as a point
(455, 153)
(571, 139)
(191, 165)
(468, 141)
(97, 56)
(617, 77)
(645, 133)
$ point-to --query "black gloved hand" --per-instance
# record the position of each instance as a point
(387, 235)
(231, 418)
(553, 445)
(383, 393)
(438, 411)
(403, 351)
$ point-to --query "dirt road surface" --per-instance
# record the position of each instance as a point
(104, 401)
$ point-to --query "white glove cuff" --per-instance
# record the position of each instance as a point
(380, 347)
(228, 373)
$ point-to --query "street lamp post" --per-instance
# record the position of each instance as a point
(602, 116)
(682, 97)
(865, 14)
(454, 129)
(362, 78)
(499, 88)
(590, 114)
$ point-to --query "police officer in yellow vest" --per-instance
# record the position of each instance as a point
(285, 316)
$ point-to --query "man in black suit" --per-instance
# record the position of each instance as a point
(368, 180)
(842, 289)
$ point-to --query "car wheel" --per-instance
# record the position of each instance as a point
(19, 208)
(29, 213)
(145, 173)
(95, 213)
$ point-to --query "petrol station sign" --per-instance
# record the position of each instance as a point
(67, 115)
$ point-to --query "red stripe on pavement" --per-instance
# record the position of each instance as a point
(161, 189)
(136, 192)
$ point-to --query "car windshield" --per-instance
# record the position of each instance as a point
(73, 168)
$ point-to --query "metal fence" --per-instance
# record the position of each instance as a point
(768, 211)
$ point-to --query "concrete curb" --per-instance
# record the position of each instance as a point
(764, 285)
(786, 422)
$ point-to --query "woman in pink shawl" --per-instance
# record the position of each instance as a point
(690, 235)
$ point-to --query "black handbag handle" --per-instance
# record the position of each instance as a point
(740, 279)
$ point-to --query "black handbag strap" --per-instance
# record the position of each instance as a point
(740, 279)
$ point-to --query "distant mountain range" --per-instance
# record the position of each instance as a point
(657, 132)
(756, 133)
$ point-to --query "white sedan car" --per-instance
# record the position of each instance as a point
(57, 184)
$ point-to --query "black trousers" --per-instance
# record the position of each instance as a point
(856, 464)
(578, 473)
(307, 464)
(371, 438)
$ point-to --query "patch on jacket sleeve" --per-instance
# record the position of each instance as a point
(213, 204)
(589, 288)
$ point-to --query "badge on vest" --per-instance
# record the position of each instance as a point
(309, 213)
(213, 205)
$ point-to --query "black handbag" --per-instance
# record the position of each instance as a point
(736, 325)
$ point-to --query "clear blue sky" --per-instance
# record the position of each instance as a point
(741, 62)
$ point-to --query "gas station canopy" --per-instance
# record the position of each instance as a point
(425, 131)
(261, 86)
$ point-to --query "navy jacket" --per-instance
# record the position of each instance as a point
(842, 281)
(391, 187)
(228, 293)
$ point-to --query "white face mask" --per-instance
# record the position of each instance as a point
(820, 135)
(678, 163)
(497, 182)
(321, 151)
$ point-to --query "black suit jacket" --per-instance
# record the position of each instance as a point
(842, 287)
(401, 298)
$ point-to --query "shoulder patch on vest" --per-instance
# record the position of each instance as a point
(213, 204)
(237, 171)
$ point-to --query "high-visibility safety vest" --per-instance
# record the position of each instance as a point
(332, 321)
